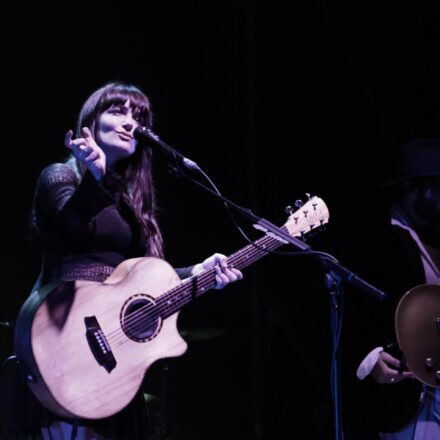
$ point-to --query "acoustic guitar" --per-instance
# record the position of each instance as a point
(86, 345)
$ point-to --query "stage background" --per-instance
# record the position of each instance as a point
(273, 101)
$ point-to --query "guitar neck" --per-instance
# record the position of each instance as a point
(173, 300)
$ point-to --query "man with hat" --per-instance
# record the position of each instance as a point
(408, 254)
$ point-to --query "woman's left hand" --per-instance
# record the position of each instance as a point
(224, 274)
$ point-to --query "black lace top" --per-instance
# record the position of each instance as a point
(86, 228)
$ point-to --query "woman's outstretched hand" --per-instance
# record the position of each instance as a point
(87, 152)
(223, 273)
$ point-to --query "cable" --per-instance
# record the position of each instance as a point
(234, 221)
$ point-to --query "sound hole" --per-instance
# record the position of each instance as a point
(139, 318)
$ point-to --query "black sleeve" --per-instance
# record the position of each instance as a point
(184, 272)
(64, 201)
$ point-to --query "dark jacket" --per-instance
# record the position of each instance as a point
(390, 259)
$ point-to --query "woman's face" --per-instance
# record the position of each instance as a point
(114, 132)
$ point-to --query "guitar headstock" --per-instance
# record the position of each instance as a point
(311, 215)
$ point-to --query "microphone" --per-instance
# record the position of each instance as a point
(143, 133)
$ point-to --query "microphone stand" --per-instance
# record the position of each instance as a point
(266, 226)
(336, 274)
(334, 286)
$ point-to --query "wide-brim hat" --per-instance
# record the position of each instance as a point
(418, 158)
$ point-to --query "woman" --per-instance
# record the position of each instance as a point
(97, 210)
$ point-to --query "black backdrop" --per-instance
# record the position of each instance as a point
(272, 100)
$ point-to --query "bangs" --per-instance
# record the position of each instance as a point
(139, 103)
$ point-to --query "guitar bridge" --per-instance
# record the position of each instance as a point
(98, 344)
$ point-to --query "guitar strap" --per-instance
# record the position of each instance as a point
(74, 429)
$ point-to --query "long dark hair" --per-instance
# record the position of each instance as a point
(139, 192)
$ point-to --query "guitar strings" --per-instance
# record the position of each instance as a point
(145, 313)
(166, 304)
(175, 295)
(179, 295)
(180, 298)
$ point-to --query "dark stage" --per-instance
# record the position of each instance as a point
(273, 100)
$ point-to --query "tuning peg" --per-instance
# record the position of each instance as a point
(298, 203)
(308, 196)
(289, 210)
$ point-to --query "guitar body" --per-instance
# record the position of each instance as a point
(60, 331)
(417, 324)
(86, 346)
